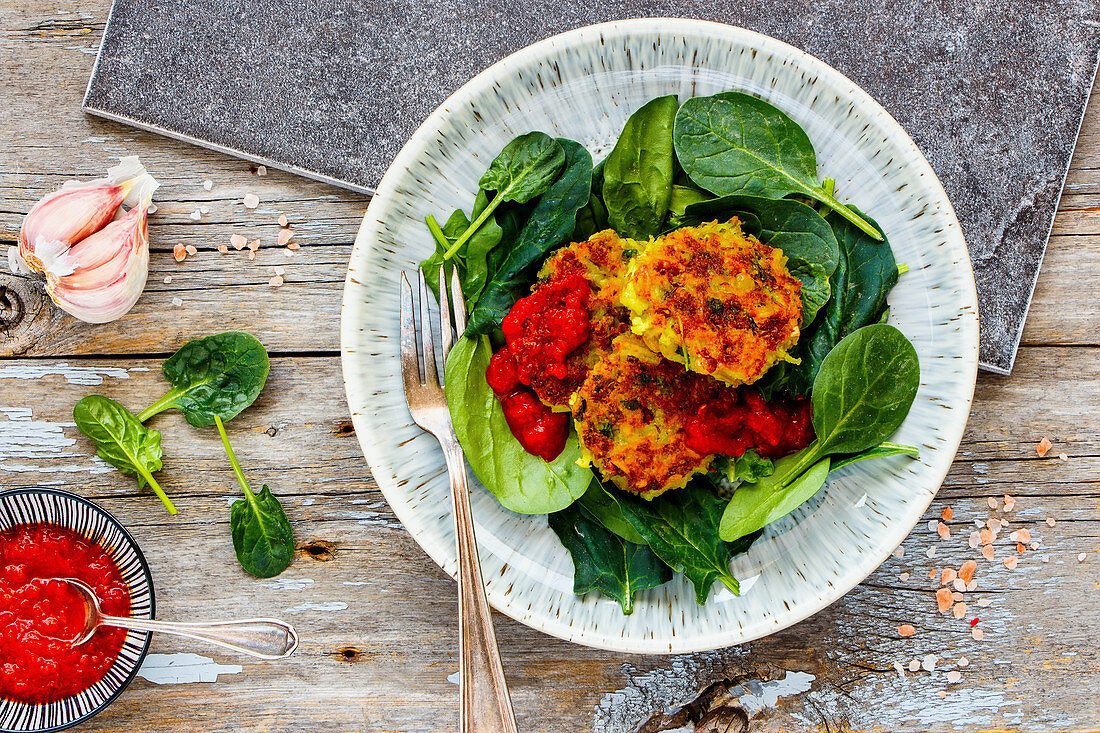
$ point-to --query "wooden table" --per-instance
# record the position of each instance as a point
(376, 615)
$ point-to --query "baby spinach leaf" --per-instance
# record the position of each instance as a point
(750, 466)
(551, 223)
(122, 441)
(756, 505)
(524, 169)
(605, 510)
(864, 389)
(262, 536)
(472, 260)
(592, 217)
(865, 275)
(882, 450)
(736, 143)
(215, 376)
(682, 529)
(637, 175)
(604, 561)
(520, 481)
(682, 197)
(805, 238)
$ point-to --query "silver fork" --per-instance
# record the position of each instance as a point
(484, 706)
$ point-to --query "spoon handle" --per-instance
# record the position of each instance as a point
(265, 638)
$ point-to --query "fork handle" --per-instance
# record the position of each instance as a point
(484, 705)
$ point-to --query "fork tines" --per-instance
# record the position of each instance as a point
(418, 363)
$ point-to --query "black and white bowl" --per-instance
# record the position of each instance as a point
(32, 506)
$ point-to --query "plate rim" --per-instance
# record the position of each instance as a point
(684, 27)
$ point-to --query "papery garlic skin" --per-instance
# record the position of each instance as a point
(76, 211)
(110, 270)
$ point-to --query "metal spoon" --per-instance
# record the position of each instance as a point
(264, 638)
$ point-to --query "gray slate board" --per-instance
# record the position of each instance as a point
(993, 91)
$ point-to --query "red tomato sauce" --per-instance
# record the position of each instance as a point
(39, 617)
(544, 328)
(540, 430)
(740, 419)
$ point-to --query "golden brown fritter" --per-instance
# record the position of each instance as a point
(630, 415)
(603, 260)
(715, 300)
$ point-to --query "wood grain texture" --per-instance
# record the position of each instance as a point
(382, 662)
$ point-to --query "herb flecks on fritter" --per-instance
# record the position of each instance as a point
(631, 414)
(715, 300)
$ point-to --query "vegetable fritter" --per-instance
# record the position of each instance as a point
(717, 301)
(631, 414)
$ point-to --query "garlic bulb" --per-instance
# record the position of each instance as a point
(94, 256)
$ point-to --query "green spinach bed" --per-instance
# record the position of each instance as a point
(678, 165)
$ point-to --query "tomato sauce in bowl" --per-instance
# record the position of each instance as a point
(39, 616)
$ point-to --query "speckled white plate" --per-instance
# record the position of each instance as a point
(583, 85)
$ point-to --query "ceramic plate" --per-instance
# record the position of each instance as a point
(583, 85)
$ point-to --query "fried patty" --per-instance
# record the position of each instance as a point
(630, 415)
(604, 260)
(715, 300)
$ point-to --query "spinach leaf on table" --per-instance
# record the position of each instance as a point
(806, 239)
(122, 441)
(550, 224)
(737, 143)
(637, 175)
(682, 529)
(606, 510)
(262, 536)
(215, 376)
(604, 561)
(522, 170)
(519, 480)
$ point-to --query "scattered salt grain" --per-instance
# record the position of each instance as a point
(280, 270)
(1011, 562)
(959, 584)
(283, 221)
(1081, 557)
(931, 552)
(237, 241)
(983, 602)
(251, 201)
(196, 215)
(275, 281)
(966, 572)
(944, 599)
(288, 252)
(979, 523)
(1050, 521)
(191, 249)
(932, 573)
(947, 575)
(900, 552)
(167, 279)
(177, 302)
(900, 669)
(991, 502)
(932, 525)
(208, 184)
(1035, 545)
(947, 514)
(285, 235)
(1063, 457)
(1044, 447)
(224, 249)
(251, 254)
(972, 586)
(988, 552)
(959, 610)
(957, 596)
(954, 676)
(1020, 547)
(293, 246)
(261, 170)
(942, 694)
(994, 525)
(985, 536)
(914, 665)
(943, 531)
(1021, 535)
(904, 576)
(905, 630)
(975, 540)
(963, 662)
(1045, 558)
(204, 210)
(977, 633)
(929, 662)
(179, 253)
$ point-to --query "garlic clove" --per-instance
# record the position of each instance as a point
(110, 270)
(76, 211)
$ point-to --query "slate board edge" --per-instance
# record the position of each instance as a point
(1046, 240)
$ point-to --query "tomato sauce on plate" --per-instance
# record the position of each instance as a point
(39, 617)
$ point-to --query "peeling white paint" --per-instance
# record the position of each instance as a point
(356, 582)
(307, 502)
(453, 678)
(327, 607)
(177, 669)
(289, 583)
(24, 442)
(761, 695)
(88, 376)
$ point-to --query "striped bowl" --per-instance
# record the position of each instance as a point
(32, 506)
